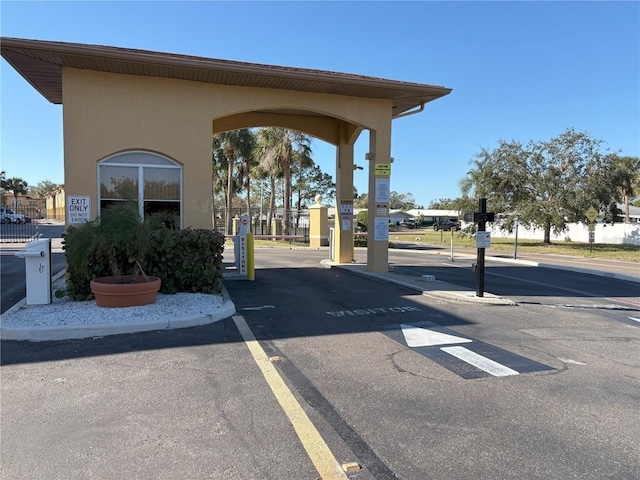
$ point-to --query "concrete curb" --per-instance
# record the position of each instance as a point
(435, 289)
(68, 332)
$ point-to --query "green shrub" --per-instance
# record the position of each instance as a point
(363, 220)
(360, 242)
(187, 260)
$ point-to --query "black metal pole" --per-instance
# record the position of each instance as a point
(482, 205)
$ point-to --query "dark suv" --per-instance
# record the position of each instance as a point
(447, 224)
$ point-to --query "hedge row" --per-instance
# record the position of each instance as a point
(187, 260)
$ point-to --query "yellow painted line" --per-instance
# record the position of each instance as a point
(318, 451)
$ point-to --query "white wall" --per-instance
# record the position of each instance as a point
(618, 233)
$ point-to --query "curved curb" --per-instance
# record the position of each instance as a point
(68, 332)
(445, 291)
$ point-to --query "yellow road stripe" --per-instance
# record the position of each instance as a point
(318, 451)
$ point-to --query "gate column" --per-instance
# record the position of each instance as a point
(343, 227)
(379, 157)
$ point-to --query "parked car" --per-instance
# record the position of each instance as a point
(10, 216)
(408, 223)
(447, 224)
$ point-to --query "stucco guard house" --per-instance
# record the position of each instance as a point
(141, 123)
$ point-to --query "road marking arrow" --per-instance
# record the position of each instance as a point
(421, 337)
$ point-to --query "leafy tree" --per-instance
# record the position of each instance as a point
(309, 181)
(362, 201)
(547, 184)
(363, 220)
(17, 186)
(402, 201)
(43, 188)
(442, 204)
(625, 175)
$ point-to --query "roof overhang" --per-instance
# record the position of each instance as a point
(41, 63)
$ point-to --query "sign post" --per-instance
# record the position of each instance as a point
(453, 229)
(592, 214)
(483, 240)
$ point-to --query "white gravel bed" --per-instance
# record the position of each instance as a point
(63, 311)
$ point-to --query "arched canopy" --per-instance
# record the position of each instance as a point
(120, 99)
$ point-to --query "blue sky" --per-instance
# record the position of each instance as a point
(519, 70)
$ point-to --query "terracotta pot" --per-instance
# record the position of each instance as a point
(111, 294)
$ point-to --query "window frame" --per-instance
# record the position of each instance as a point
(111, 161)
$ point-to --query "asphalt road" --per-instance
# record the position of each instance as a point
(382, 373)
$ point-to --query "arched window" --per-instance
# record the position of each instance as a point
(155, 181)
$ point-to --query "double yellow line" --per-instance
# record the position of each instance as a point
(315, 446)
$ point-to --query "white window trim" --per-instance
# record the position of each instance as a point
(141, 167)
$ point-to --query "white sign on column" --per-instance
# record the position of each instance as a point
(382, 189)
(381, 229)
(78, 209)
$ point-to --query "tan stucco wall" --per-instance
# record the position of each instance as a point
(108, 113)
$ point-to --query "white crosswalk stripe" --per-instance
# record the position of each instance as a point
(483, 363)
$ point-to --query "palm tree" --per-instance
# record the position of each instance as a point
(17, 186)
(275, 152)
(627, 179)
(233, 149)
(302, 170)
(3, 185)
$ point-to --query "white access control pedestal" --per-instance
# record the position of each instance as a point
(240, 247)
(37, 256)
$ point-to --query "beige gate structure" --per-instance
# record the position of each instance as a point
(125, 109)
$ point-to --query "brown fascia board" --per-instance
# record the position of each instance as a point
(227, 66)
(53, 74)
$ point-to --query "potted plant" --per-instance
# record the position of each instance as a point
(123, 238)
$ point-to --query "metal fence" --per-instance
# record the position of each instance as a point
(266, 224)
(19, 224)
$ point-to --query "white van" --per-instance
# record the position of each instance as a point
(9, 216)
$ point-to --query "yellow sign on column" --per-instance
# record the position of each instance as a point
(383, 169)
